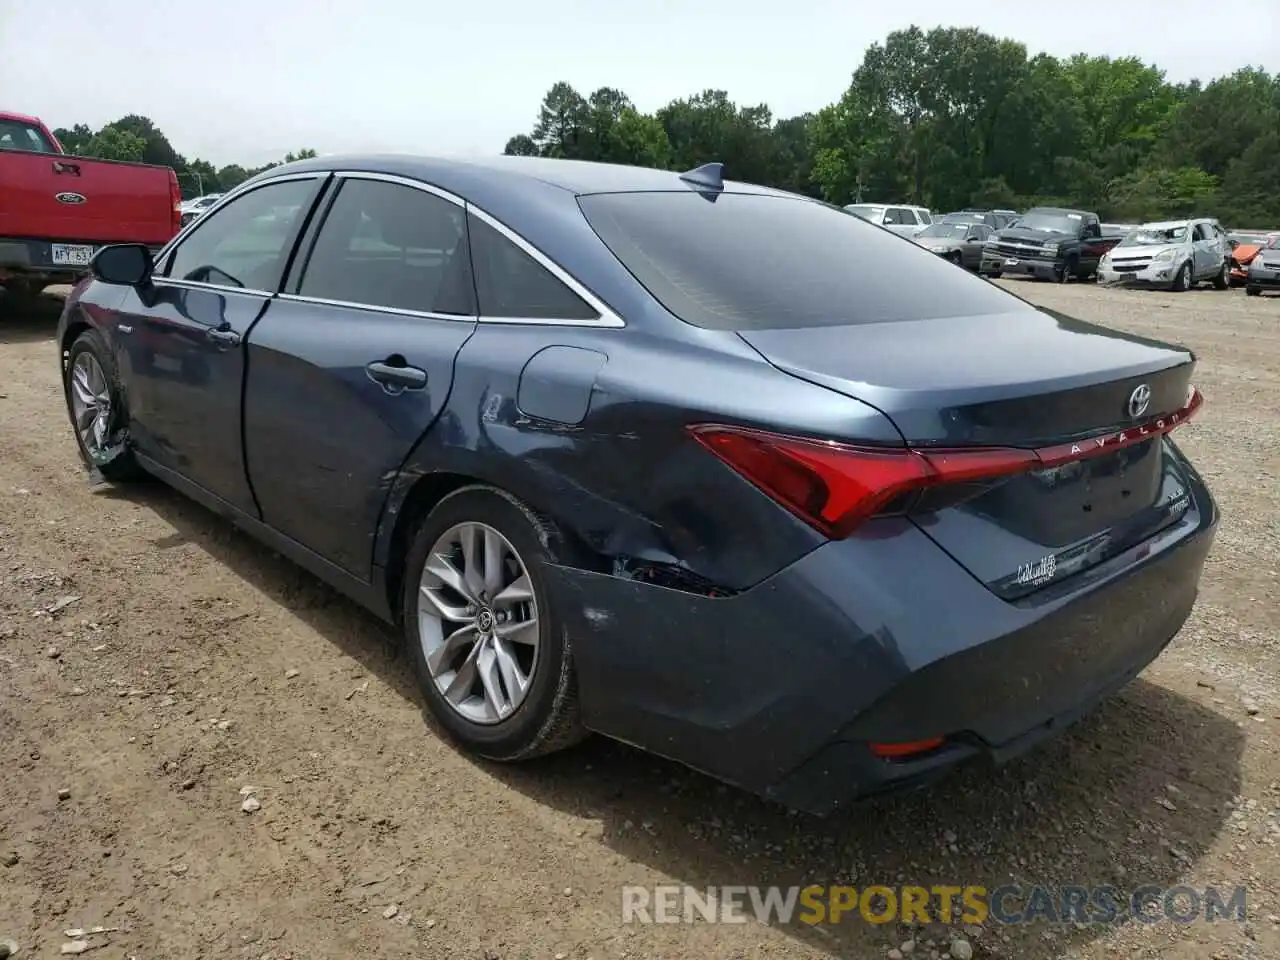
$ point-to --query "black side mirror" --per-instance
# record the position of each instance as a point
(123, 264)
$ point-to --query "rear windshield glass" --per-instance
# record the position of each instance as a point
(15, 135)
(751, 262)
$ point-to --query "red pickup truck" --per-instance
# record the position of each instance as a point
(56, 209)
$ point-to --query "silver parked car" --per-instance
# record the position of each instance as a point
(901, 218)
(1173, 254)
(196, 206)
(959, 242)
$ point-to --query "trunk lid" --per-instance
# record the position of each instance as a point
(102, 201)
(1027, 379)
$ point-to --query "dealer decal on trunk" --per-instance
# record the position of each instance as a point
(1037, 572)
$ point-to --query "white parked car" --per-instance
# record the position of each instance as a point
(196, 206)
(899, 217)
(1175, 254)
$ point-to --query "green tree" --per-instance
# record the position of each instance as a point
(521, 145)
(76, 140)
(561, 122)
(115, 143)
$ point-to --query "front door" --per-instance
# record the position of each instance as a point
(354, 362)
(182, 336)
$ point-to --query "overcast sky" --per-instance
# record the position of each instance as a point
(245, 81)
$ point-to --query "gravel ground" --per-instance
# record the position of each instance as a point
(154, 662)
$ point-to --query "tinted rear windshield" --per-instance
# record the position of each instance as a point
(750, 262)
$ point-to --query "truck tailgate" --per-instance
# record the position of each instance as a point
(77, 199)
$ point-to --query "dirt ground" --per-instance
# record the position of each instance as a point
(182, 662)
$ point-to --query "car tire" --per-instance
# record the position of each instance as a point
(1068, 271)
(954, 258)
(1223, 279)
(1181, 280)
(95, 406)
(994, 275)
(544, 716)
(1252, 291)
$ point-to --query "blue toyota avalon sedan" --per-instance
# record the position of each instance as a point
(661, 456)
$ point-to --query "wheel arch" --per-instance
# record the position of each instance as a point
(416, 497)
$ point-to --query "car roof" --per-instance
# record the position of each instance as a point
(20, 117)
(1168, 224)
(459, 175)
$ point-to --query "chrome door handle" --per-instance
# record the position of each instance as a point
(407, 378)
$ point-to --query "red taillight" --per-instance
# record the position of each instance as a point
(908, 748)
(175, 197)
(835, 486)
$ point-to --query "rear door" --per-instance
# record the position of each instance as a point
(354, 362)
(901, 221)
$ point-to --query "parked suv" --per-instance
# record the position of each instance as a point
(1173, 254)
(1049, 243)
(900, 218)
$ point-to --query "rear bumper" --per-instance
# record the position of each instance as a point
(880, 637)
(26, 258)
(1267, 279)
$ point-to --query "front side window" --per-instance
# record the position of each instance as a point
(757, 262)
(899, 217)
(390, 245)
(245, 244)
(512, 285)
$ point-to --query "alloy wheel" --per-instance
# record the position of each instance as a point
(90, 402)
(478, 622)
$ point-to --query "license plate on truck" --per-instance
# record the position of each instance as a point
(71, 254)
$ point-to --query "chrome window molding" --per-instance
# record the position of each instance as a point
(226, 198)
(606, 318)
(376, 308)
(214, 287)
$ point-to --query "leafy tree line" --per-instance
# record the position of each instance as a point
(952, 117)
(945, 118)
(137, 139)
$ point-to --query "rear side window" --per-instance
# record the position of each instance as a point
(752, 262)
(15, 135)
(510, 284)
(246, 243)
(389, 245)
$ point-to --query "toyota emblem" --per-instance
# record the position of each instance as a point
(1139, 400)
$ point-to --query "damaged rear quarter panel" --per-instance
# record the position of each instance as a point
(626, 480)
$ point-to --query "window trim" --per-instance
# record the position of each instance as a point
(606, 318)
(169, 248)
